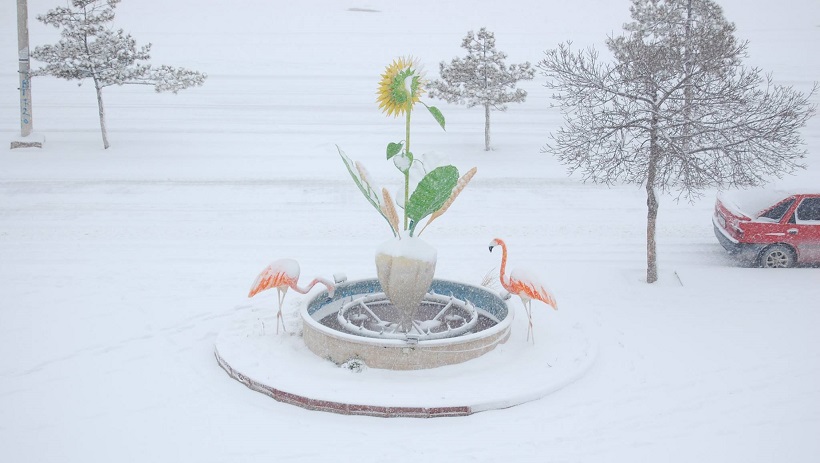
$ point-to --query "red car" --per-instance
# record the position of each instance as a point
(771, 228)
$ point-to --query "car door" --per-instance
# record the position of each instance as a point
(804, 229)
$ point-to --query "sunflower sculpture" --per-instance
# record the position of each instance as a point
(400, 88)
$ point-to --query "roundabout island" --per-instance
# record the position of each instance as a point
(489, 366)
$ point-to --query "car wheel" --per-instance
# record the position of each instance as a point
(777, 256)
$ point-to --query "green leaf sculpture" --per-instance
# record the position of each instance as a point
(393, 149)
(360, 178)
(431, 193)
(437, 115)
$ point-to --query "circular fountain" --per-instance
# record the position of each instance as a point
(454, 322)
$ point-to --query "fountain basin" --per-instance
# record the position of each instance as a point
(325, 336)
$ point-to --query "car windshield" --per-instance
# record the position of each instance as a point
(776, 213)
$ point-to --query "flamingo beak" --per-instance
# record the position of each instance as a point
(491, 248)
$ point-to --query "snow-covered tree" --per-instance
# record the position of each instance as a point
(481, 78)
(90, 49)
(676, 110)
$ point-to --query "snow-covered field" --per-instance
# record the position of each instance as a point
(119, 267)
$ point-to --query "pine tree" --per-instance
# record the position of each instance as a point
(481, 78)
(676, 111)
(89, 49)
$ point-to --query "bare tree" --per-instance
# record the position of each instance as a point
(88, 49)
(481, 78)
(676, 111)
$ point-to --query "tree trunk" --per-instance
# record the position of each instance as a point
(26, 118)
(652, 201)
(102, 114)
(486, 127)
(651, 220)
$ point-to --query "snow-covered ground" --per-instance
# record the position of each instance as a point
(119, 267)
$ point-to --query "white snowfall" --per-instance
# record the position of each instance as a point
(118, 268)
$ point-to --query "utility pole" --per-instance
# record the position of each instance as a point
(26, 139)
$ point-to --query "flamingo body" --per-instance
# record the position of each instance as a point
(523, 284)
(283, 274)
(280, 274)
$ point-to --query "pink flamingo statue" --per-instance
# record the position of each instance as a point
(283, 274)
(523, 286)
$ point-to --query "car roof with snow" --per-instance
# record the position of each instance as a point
(752, 202)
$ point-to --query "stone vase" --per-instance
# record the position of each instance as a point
(405, 268)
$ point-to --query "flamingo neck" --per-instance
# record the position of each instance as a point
(504, 281)
(329, 285)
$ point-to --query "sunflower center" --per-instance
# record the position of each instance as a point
(403, 87)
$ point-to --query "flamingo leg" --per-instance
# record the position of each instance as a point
(528, 307)
(279, 315)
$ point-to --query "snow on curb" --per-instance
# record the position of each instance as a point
(282, 367)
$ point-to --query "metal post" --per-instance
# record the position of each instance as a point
(26, 118)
